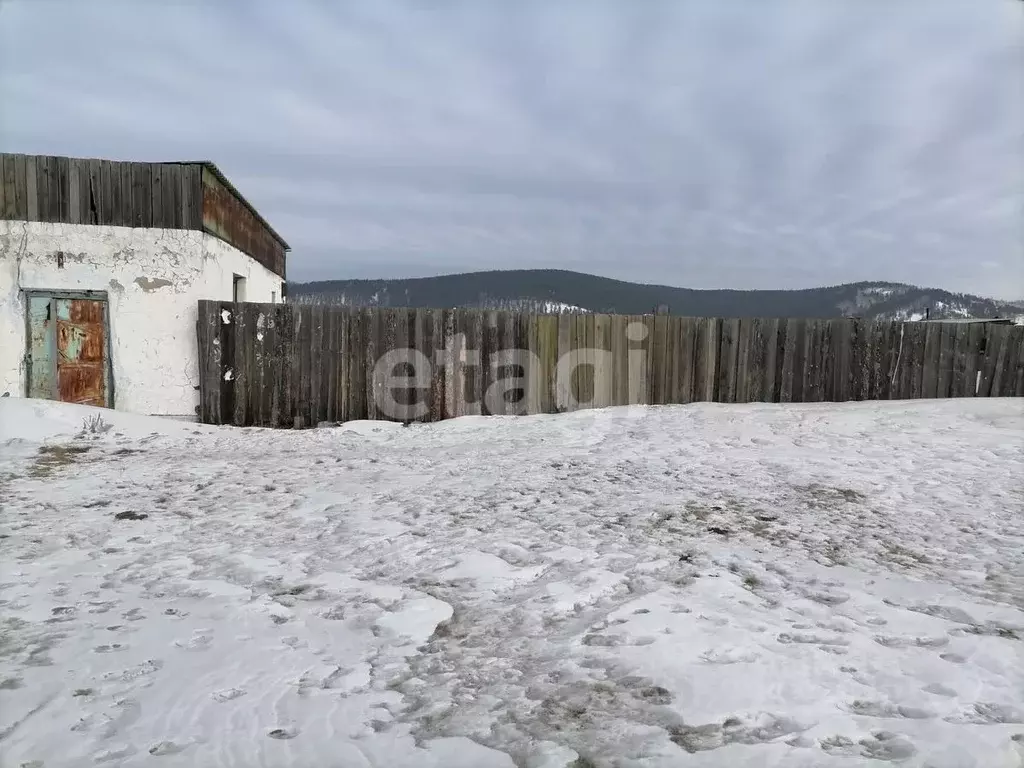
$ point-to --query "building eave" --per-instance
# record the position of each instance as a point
(212, 168)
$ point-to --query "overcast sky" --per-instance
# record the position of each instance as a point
(714, 143)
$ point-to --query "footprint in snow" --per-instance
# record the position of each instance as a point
(166, 748)
(120, 752)
(827, 597)
(810, 638)
(833, 649)
(886, 709)
(985, 713)
(334, 613)
(881, 745)
(654, 694)
(765, 728)
(198, 642)
(227, 694)
(287, 732)
(603, 640)
(699, 738)
(950, 613)
(894, 641)
(134, 673)
(112, 648)
(800, 742)
(887, 746)
(729, 655)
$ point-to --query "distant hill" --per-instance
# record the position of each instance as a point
(555, 291)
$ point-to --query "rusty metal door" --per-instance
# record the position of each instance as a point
(68, 357)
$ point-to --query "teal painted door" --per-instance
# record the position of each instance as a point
(42, 343)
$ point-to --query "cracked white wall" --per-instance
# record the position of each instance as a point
(153, 279)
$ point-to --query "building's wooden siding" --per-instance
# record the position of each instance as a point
(72, 190)
(292, 365)
(224, 215)
(127, 194)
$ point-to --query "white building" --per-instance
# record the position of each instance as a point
(101, 267)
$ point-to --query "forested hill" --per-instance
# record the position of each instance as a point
(562, 291)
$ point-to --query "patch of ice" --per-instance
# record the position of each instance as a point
(489, 572)
(415, 621)
(590, 585)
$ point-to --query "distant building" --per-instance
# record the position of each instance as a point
(102, 264)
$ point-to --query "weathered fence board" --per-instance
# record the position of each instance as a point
(286, 365)
(1004, 361)
(1011, 379)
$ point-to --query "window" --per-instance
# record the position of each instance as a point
(273, 297)
(238, 289)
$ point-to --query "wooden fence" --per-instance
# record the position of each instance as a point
(283, 365)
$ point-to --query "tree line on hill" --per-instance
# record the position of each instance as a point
(556, 291)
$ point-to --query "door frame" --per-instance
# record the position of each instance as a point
(108, 367)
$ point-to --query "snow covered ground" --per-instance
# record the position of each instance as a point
(705, 585)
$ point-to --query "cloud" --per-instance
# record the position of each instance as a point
(703, 144)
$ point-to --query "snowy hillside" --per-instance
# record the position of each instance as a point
(546, 290)
(704, 585)
(898, 301)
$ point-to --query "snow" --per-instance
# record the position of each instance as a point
(702, 585)
(560, 307)
(881, 290)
